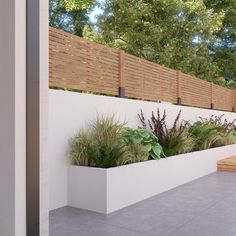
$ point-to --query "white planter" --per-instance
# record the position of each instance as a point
(108, 190)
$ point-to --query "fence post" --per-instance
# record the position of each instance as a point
(121, 74)
(211, 95)
(234, 100)
(179, 87)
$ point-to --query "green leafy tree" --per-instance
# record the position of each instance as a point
(224, 50)
(70, 15)
(175, 33)
(78, 4)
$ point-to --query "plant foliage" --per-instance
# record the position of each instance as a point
(78, 149)
(213, 132)
(105, 155)
(146, 140)
(101, 145)
(224, 51)
(174, 33)
(70, 15)
(107, 143)
(176, 140)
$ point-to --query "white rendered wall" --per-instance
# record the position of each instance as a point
(70, 111)
(12, 118)
(20, 117)
(44, 63)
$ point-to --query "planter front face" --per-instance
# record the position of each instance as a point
(87, 188)
(108, 190)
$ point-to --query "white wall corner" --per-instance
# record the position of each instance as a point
(20, 117)
(44, 84)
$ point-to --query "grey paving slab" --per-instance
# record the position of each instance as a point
(93, 229)
(205, 207)
(215, 221)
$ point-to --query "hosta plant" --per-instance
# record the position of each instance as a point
(147, 140)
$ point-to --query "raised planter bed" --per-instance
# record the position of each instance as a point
(108, 190)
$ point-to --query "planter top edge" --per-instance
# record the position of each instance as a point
(185, 155)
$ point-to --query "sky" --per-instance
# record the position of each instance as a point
(96, 11)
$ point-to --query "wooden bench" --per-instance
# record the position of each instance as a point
(227, 165)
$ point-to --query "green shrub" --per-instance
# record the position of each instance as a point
(179, 143)
(101, 145)
(106, 130)
(107, 143)
(228, 139)
(213, 132)
(104, 155)
(206, 135)
(78, 149)
(176, 140)
(145, 139)
(135, 153)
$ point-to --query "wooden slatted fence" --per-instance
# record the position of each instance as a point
(79, 64)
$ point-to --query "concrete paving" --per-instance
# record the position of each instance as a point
(204, 207)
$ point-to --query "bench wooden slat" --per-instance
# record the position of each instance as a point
(227, 165)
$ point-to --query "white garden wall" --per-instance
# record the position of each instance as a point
(70, 111)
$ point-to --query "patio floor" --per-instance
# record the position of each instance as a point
(205, 207)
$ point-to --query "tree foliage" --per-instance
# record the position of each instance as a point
(175, 33)
(225, 47)
(197, 37)
(70, 15)
(77, 4)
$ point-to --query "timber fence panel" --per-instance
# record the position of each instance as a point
(223, 98)
(148, 80)
(195, 92)
(80, 64)
(77, 63)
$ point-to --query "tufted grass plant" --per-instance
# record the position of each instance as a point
(213, 132)
(103, 145)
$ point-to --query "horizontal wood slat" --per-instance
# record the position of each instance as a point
(227, 165)
(76, 63)
(80, 64)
